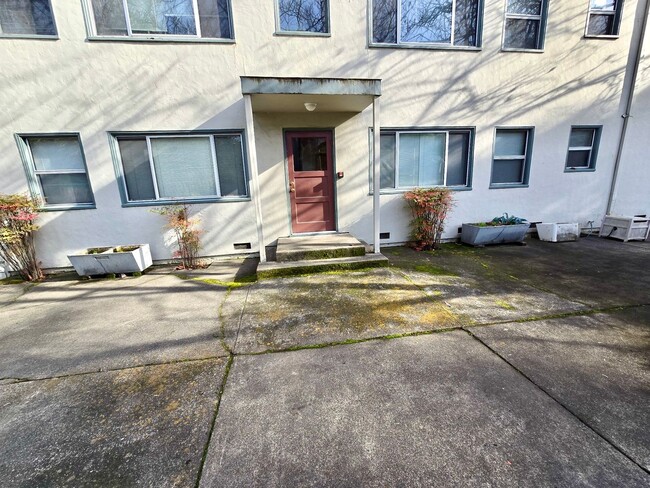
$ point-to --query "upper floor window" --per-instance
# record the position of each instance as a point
(310, 16)
(583, 148)
(525, 24)
(26, 18)
(56, 169)
(604, 17)
(511, 161)
(181, 166)
(427, 22)
(161, 18)
(411, 159)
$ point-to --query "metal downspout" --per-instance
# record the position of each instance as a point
(628, 108)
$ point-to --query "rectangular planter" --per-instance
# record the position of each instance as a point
(625, 228)
(477, 235)
(558, 232)
(112, 261)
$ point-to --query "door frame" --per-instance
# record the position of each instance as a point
(332, 131)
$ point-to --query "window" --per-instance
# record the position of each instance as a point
(56, 169)
(525, 24)
(26, 18)
(604, 17)
(161, 18)
(181, 166)
(310, 16)
(511, 157)
(411, 159)
(427, 22)
(583, 148)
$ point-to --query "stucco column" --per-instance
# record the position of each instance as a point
(376, 167)
(251, 149)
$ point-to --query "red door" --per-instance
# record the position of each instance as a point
(311, 185)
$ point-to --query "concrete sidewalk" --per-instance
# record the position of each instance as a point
(504, 366)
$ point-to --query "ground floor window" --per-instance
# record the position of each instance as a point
(583, 148)
(511, 161)
(157, 167)
(56, 169)
(425, 158)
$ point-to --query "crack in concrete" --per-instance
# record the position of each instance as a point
(213, 424)
(241, 317)
(562, 405)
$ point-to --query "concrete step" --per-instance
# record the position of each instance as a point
(317, 247)
(308, 266)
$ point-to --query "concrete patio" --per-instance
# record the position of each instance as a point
(503, 366)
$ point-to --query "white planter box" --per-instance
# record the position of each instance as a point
(625, 228)
(112, 260)
(558, 232)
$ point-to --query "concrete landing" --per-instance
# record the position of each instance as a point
(307, 266)
(320, 246)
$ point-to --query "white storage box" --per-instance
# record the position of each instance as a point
(119, 259)
(625, 228)
(558, 232)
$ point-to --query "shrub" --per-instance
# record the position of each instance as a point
(18, 214)
(188, 238)
(429, 207)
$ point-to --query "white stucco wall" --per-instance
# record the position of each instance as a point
(91, 87)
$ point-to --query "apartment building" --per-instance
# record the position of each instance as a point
(281, 117)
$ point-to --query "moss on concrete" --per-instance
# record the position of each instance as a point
(11, 280)
(317, 254)
(505, 305)
(318, 268)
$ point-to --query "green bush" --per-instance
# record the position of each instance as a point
(18, 214)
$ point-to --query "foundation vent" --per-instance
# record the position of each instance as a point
(242, 245)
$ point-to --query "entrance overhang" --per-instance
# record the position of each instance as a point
(289, 95)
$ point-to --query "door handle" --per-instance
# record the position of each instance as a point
(292, 187)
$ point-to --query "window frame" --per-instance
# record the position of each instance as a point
(541, 33)
(121, 178)
(92, 35)
(593, 150)
(283, 33)
(471, 131)
(43, 37)
(425, 45)
(527, 157)
(617, 14)
(35, 188)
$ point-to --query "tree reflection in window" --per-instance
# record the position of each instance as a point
(446, 22)
(303, 15)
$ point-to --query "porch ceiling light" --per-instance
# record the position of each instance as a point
(310, 106)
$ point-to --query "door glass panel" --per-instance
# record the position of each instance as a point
(309, 153)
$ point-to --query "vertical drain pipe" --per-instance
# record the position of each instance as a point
(628, 107)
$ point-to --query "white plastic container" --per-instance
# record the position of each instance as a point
(111, 260)
(558, 232)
